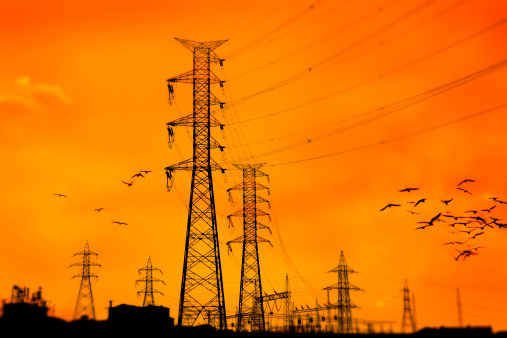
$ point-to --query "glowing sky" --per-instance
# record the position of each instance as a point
(83, 106)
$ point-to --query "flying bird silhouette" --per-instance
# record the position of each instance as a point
(420, 201)
(489, 209)
(138, 175)
(145, 171)
(465, 191)
(60, 195)
(465, 181)
(390, 205)
(119, 223)
(412, 212)
(474, 211)
(409, 189)
(99, 209)
(446, 201)
(128, 184)
(432, 220)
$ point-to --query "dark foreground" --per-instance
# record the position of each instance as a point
(54, 327)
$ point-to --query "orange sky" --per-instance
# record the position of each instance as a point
(83, 106)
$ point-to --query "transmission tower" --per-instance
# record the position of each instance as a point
(84, 304)
(287, 318)
(202, 292)
(343, 286)
(460, 317)
(407, 312)
(251, 308)
(148, 283)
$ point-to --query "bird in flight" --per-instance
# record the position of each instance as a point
(474, 211)
(119, 223)
(446, 201)
(409, 189)
(420, 201)
(145, 171)
(390, 205)
(138, 175)
(424, 226)
(477, 234)
(99, 209)
(412, 212)
(501, 202)
(432, 220)
(489, 209)
(465, 191)
(465, 181)
(129, 183)
(60, 195)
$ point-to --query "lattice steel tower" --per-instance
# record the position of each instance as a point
(407, 312)
(202, 293)
(148, 280)
(251, 307)
(84, 304)
(344, 305)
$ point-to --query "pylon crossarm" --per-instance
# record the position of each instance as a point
(188, 121)
(192, 45)
(259, 199)
(214, 144)
(261, 226)
(188, 77)
(263, 240)
(237, 213)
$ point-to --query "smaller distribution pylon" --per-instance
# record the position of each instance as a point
(148, 280)
(84, 304)
(407, 312)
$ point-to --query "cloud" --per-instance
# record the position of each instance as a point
(32, 106)
(51, 97)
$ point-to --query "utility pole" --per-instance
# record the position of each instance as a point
(460, 317)
(343, 286)
(407, 313)
(148, 280)
(251, 307)
(84, 304)
(202, 291)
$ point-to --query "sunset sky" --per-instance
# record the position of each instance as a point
(345, 101)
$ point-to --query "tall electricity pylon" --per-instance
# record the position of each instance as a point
(84, 304)
(407, 312)
(251, 308)
(344, 305)
(202, 292)
(148, 280)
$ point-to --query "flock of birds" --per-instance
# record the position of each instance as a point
(141, 173)
(473, 223)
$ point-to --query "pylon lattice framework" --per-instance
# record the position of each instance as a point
(407, 312)
(202, 294)
(344, 305)
(251, 307)
(84, 304)
(148, 280)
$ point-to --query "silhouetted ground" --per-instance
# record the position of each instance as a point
(54, 327)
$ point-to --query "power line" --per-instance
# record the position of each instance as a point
(327, 62)
(393, 139)
(417, 98)
(436, 52)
